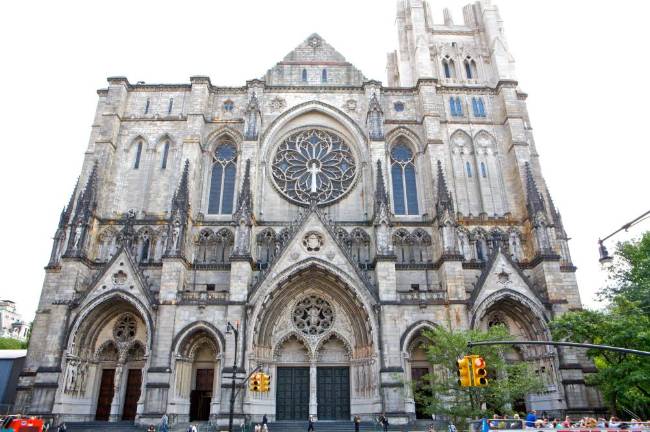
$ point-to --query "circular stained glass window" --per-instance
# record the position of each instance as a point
(125, 328)
(313, 316)
(313, 162)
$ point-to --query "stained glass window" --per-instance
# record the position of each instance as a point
(313, 161)
(222, 182)
(405, 195)
(165, 154)
(138, 154)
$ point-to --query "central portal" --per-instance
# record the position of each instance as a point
(333, 392)
(292, 397)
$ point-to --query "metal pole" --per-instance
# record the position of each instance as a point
(569, 344)
(234, 376)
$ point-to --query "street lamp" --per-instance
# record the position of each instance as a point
(605, 258)
(233, 329)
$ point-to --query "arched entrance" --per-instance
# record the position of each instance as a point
(106, 354)
(524, 320)
(197, 369)
(315, 336)
(418, 367)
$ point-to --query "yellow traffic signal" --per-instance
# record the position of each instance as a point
(265, 383)
(479, 372)
(256, 382)
(464, 377)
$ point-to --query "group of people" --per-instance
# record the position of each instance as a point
(586, 422)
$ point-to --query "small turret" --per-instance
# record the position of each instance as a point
(177, 225)
(242, 218)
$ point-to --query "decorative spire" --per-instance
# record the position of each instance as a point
(244, 200)
(86, 202)
(179, 215)
(535, 199)
(381, 197)
(375, 119)
(445, 202)
(66, 213)
(557, 218)
(181, 199)
(384, 246)
(252, 113)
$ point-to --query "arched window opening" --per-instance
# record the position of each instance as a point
(448, 67)
(401, 245)
(405, 195)
(478, 107)
(207, 244)
(324, 75)
(421, 245)
(304, 75)
(144, 246)
(164, 155)
(222, 182)
(455, 106)
(470, 68)
(468, 168)
(483, 170)
(146, 106)
(171, 105)
(360, 247)
(138, 154)
(266, 247)
(224, 241)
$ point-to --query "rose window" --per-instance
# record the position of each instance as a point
(313, 162)
(313, 316)
(125, 328)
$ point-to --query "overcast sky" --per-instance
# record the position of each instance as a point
(583, 63)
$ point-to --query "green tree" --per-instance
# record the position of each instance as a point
(8, 343)
(624, 380)
(441, 393)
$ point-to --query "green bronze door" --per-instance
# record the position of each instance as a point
(333, 393)
(292, 394)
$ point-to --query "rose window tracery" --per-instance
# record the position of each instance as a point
(125, 328)
(313, 161)
(313, 316)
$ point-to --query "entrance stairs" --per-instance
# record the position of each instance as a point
(343, 426)
(95, 426)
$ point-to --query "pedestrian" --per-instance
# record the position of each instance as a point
(357, 423)
(62, 428)
(265, 421)
(258, 428)
(310, 425)
(384, 421)
(531, 418)
(164, 424)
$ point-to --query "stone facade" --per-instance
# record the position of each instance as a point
(332, 217)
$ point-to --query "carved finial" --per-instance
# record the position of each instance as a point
(380, 191)
(534, 198)
(444, 199)
(244, 200)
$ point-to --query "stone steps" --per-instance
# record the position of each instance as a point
(95, 426)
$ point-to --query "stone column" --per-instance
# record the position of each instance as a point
(116, 404)
(313, 395)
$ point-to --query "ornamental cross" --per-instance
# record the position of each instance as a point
(314, 170)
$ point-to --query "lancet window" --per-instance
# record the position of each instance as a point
(405, 193)
(222, 183)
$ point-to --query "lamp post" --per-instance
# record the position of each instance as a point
(605, 258)
(234, 329)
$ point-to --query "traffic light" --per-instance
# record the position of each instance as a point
(255, 383)
(464, 377)
(266, 383)
(479, 372)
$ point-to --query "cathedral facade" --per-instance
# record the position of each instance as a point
(330, 219)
